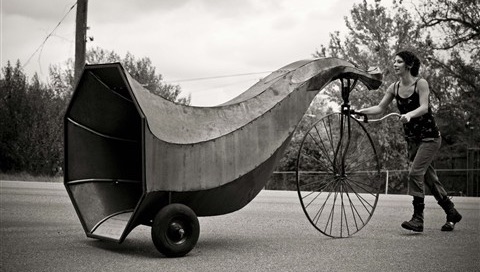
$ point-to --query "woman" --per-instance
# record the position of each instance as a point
(411, 93)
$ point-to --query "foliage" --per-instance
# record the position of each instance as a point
(445, 34)
(24, 176)
(453, 29)
(377, 33)
(317, 109)
(31, 113)
(142, 70)
(457, 21)
(31, 122)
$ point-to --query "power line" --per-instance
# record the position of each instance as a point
(49, 35)
(226, 86)
(215, 77)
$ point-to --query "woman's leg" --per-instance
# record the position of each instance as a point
(430, 177)
(421, 171)
(423, 158)
(415, 188)
(434, 184)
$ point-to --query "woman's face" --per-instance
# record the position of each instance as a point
(399, 66)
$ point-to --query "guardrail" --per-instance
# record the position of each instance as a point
(457, 182)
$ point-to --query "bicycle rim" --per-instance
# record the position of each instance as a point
(338, 176)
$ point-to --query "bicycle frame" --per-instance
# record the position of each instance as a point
(366, 120)
(339, 199)
(346, 87)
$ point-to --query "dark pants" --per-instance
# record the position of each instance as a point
(422, 173)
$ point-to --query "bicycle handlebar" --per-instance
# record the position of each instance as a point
(366, 120)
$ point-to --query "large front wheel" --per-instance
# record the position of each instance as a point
(338, 177)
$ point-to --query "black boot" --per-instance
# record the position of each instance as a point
(416, 223)
(453, 216)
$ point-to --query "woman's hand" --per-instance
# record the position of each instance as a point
(405, 118)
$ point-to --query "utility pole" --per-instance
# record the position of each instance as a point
(80, 38)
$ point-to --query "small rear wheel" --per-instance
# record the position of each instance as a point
(338, 175)
(175, 230)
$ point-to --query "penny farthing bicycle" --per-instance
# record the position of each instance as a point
(338, 171)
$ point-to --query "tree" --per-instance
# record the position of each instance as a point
(45, 129)
(375, 34)
(141, 70)
(317, 109)
(445, 35)
(454, 36)
(12, 100)
(457, 21)
(31, 120)
(31, 113)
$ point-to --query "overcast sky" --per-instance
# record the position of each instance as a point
(185, 39)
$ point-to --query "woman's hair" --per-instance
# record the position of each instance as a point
(410, 60)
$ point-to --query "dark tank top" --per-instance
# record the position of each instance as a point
(421, 127)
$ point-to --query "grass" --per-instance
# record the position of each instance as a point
(28, 177)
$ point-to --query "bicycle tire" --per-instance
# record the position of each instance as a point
(338, 175)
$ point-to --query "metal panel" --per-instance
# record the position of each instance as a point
(129, 152)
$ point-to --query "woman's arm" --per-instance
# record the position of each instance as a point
(382, 106)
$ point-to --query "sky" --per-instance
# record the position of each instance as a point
(233, 43)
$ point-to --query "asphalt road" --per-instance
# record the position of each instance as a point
(41, 232)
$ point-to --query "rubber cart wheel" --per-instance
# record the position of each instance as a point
(175, 230)
(338, 175)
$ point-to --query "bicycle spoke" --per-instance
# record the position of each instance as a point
(362, 200)
(354, 212)
(323, 188)
(324, 167)
(319, 212)
(311, 193)
(328, 131)
(326, 155)
(340, 199)
(323, 147)
(344, 214)
(358, 156)
(326, 183)
(331, 214)
(358, 184)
